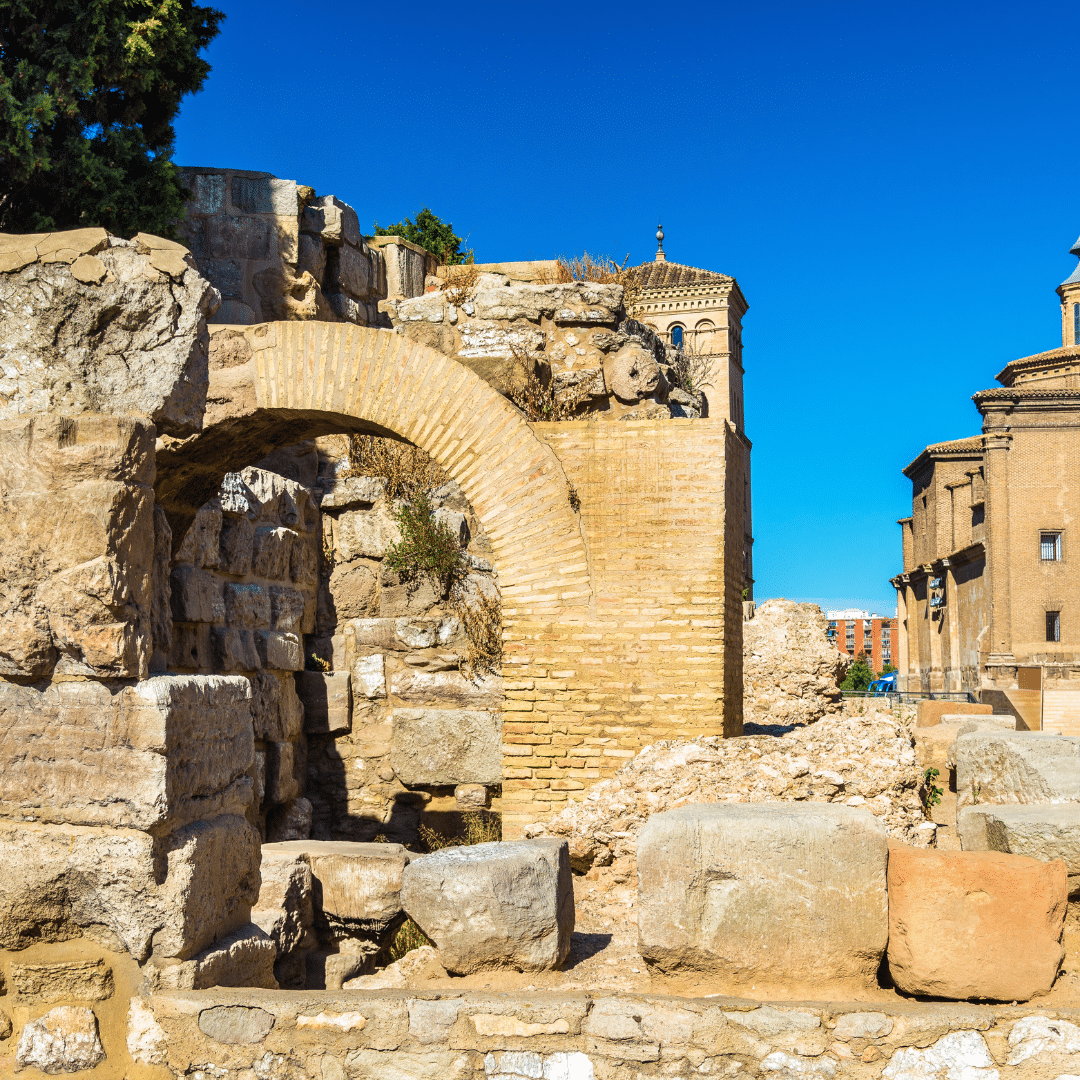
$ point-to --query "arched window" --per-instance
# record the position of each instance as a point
(677, 336)
(1076, 324)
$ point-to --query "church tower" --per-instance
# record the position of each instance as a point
(1069, 291)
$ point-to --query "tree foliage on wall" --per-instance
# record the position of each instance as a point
(432, 234)
(859, 676)
(89, 90)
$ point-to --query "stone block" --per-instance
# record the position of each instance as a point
(276, 710)
(929, 712)
(284, 909)
(233, 649)
(498, 905)
(351, 592)
(292, 821)
(278, 651)
(286, 608)
(365, 534)
(155, 755)
(717, 893)
(1037, 831)
(243, 958)
(235, 544)
(455, 522)
(236, 1025)
(956, 919)
(416, 596)
(211, 881)
(471, 797)
(64, 1040)
(327, 700)
(1016, 767)
(304, 561)
(247, 605)
(446, 746)
(353, 272)
(271, 549)
(355, 886)
(447, 688)
(87, 980)
(352, 493)
(281, 784)
(369, 675)
(153, 364)
(406, 633)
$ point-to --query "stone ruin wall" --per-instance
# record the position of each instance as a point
(276, 250)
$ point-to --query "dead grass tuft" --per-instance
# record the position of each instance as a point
(536, 399)
(693, 370)
(604, 270)
(482, 622)
(481, 827)
(408, 936)
(407, 470)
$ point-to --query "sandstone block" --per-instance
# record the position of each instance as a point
(405, 633)
(199, 546)
(1045, 833)
(196, 595)
(352, 493)
(355, 885)
(64, 1040)
(498, 905)
(243, 958)
(155, 755)
(235, 544)
(67, 353)
(281, 783)
(278, 651)
(236, 1025)
(291, 821)
(233, 649)
(369, 675)
(455, 522)
(247, 605)
(276, 710)
(352, 592)
(284, 909)
(413, 597)
(1016, 767)
(447, 688)
(90, 980)
(959, 938)
(146, 1042)
(470, 796)
(270, 552)
(930, 712)
(716, 893)
(446, 746)
(286, 608)
(304, 561)
(360, 534)
(327, 700)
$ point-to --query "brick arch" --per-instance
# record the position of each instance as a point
(277, 383)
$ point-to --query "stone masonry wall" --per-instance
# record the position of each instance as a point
(659, 655)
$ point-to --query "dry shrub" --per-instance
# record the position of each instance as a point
(462, 277)
(426, 546)
(407, 937)
(481, 827)
(693, 370)
(604, 271)
(537, 400)
(482, 622)
(407, 470)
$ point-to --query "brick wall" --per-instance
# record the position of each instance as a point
(659, 652)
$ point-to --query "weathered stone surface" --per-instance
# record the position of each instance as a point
(90, 980)
(960, 1054)
(405, 633)
(77, 546)
(327, 700)
(155, 755)
(233, 650)
(284, 909)
(632, 373)
(281, 782)
(471, 796)
(351, 492)
(64, 1040)
(354, 884)
(281, 652)
(415, 596)
(276, 709)
(292, 821)
(1040, 832)
(715, 894)
(1016, 767)
(446, 746)
(498, 905)
(447, 688)
(365, 534)
(791, 671)
(270, 552)
(247, 605)
(146, 1040)
(236, 1024)
(369, 675)
(243, 958)
(351, 592)
(959, 938)
(65, 351)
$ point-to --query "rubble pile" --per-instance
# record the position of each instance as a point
(791, 671)
(860, 756)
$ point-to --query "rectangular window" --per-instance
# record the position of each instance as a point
(1076, 324)
(1050, 548)
(1053, 626)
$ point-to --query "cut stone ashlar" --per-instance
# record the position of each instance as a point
(1016, 767)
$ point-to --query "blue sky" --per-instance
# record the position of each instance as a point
(896, 188)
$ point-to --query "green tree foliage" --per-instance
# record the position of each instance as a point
(888, 669)
(89, 90)
(426, 546)
(432, 234)
(859, 675)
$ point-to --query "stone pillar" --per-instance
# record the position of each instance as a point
(997, 544)
(902, 652)
(953, 676)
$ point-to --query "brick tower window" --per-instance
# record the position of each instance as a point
(1076, 324)
(1053, 626)
(1050, 551)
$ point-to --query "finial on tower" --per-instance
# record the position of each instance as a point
(660, 256)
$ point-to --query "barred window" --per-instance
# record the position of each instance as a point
(1050, 548)
(1053, 626)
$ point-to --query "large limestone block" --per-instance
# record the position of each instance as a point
(327, 700)
(446, 746)
(243, 958)
(153, 756)
(765, 895)
(64, 1040)
(1016, 767)
(447, 688)
(64, 348)
(284, 909)
(1040, 832)
(974, 924)
(498, 905)
(77, 545)
(354, 885)
(929, 712)
(124, 890)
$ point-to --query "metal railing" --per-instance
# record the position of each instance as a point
(914, 695)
